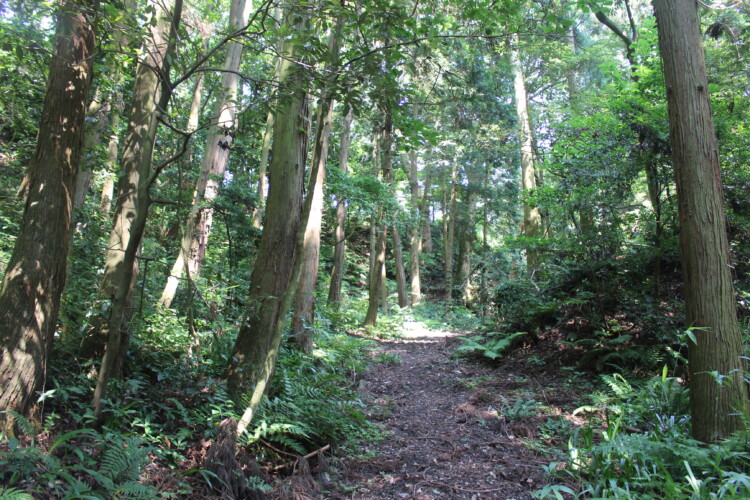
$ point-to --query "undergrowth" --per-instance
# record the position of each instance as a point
(159, 419)
(637, 444)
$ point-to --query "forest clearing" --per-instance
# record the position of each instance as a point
(374, 249)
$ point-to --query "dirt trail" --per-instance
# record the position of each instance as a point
(448, 435)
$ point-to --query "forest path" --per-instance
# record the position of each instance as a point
(446, 435)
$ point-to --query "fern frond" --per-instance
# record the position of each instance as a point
(23, 423)
(134, 489)
(14, 494)
(289, 443)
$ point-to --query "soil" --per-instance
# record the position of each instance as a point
(456, 428)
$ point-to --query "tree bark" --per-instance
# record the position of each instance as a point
(35, 275)
(415, 236)
(718, 392)
(253, 357)
(262, 172)
(377, 271)
(150, 98)
(376, 285)
(398, 258)
(262, 187)
(466, 234)
(339, 253)
(197, 227)
(449, 231)
(304, 307)
(532, 227)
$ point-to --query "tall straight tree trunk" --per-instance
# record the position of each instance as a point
(253, 357)
(197, 228)
(98, 113)
(427, 234)
(150, 98)
(383, 282)
(466, 236)
(717, 406)
(415, 234)
(304, 306)
(374, 217)
(105, 111)
(420, 239)
(262, 187)
(35, 275)
(339, 252)
(376, 285)
(262, 171)
(398, 258)
(449, 230)
(377, 271)
(113, 150)
(532, 227)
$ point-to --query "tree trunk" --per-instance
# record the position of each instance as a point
(717, 406)
(427, 234)
(374, 217)
(466, 235)
(383, 282)
(98, 113)
(262, 170)
(35, 275)
(415, 236)
(449, 230)
(339, 253)
(304, 307)
(253, 357)
(266, 145)
(150, 99)
(376, 278)
(531, 219)
(398, 257)
(197, 228)
(377, 272)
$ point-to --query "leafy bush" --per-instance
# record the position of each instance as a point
(521, 305)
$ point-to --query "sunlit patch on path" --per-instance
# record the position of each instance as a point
(419, 331)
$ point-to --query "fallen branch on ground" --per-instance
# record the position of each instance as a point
(306, 457)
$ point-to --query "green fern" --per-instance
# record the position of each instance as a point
(14, 494)
(491, 345)
(619, 386)
(134, 489)
(23, 423)
(123, 461)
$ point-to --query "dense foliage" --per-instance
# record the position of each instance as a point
(605, 301)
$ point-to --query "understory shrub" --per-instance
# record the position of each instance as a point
(640, 447)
